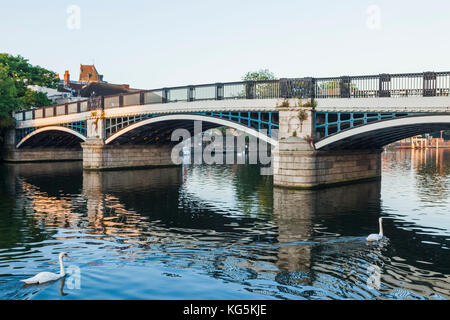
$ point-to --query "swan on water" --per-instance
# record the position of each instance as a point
(43, 277)
(377, 236)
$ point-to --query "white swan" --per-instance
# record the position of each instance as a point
(43, 277)
(377, 236)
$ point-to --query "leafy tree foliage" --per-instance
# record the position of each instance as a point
(263, 74)
(264, 89)
(16, 74)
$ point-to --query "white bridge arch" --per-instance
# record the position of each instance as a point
(50, 128)
(381, 133)
(193, 117)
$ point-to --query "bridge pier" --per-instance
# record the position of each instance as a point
(298, 165)
(98, 156)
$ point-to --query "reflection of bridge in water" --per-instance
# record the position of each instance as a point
(300, 240)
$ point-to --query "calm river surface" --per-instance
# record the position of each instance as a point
(224, 232)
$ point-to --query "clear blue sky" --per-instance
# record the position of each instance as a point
(151, 44)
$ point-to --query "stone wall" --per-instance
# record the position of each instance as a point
(97, 156)
(11, 154)
(296, 165)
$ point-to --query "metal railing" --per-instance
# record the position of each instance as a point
(425, 84)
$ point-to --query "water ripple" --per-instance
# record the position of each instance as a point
(224, 232)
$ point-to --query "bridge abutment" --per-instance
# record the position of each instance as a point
(36, 154)
(41, 154)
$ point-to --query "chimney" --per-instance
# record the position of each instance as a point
(66, 78)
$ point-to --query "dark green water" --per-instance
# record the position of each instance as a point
(224, 232)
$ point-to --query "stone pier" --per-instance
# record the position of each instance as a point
(97, 156)
(298, 165)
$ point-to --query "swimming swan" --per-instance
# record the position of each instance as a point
(375, 236)
(43, 277)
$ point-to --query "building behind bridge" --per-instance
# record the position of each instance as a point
(89, 84)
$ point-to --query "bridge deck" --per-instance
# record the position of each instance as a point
(408, 105)
(340, 104)
(236, 105)
(360, 93)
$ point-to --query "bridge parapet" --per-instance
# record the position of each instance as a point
(436, 104)
(426, 84)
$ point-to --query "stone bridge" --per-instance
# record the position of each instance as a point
(323, 131)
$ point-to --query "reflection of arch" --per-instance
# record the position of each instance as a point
(50, 128)
(193, 117)
(381, 133)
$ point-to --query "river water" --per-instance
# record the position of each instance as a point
(224, 232)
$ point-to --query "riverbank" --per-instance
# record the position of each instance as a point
(421, 143)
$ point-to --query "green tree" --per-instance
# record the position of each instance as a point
(16, 74)
(262, 74)
(8, 98)
(334, 87)
(262, 90)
